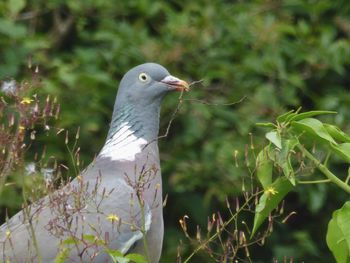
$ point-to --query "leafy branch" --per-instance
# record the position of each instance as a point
(293, 141)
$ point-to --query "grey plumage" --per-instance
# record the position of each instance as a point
(116, 202)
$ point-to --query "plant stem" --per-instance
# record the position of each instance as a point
(204, 244)
(348, 178)
(143, 228)
(315, 181)
(71, 155)
(29, 220)
(323, 169)
(10, 159)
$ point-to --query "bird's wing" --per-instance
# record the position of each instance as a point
(134, 216)
(109, 209)
(127, 240)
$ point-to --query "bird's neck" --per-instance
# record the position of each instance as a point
(132, 129)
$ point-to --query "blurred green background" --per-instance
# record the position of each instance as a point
(279, 54)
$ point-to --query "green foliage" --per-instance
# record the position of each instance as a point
(62, 256)
(264, 166)
(314, 128)
(280, 54)
(118, 257)
(295, 127)
(338, 234)
(269, 201)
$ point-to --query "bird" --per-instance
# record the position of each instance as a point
(116, 203)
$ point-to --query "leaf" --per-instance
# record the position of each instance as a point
(314, 128)
(287, 120)
(89, 238)
(264, 166)
(15, 6)
(62, 255)
(336, 133)
(338, 234)
(284, 160)
(343, 150)
(269, 202)
(137, 258)
(284, 116)
(11, 29)
(275, 138)
(266, 124)
(114, 253)
(309, 114)
(117, 256)
(71, 241)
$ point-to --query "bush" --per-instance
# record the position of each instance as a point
(279, 55)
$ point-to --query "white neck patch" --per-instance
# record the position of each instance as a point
(123, 145)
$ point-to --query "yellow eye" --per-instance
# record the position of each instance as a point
(143, 77)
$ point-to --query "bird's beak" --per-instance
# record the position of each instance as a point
(175, 83)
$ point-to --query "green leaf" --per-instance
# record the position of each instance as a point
(313, 128)
(89, 238)
(15, 6)
(266, 124)
(137, 258)
(338, 234)
(114, 253)
(264, 166)
(12, 30)
(309, 114)
(290, 116)
(343, 150)
(269, 201)
(284, 160)
(336, 133)
(62, 255)
(71, 241)
(284, 116)
(275, 138)
(117, 256)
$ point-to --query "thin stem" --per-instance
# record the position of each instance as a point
(26, 213)
(72, 160)
(348, 178)
(315, 181)
(143, 228)
(204, 244)
(10, 159)
(323, 169)
(327, 158)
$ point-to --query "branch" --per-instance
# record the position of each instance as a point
(323, 169)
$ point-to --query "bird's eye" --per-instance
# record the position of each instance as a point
(143, 77)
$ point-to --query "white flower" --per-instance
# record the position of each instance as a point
(30, 168)
(8, 87)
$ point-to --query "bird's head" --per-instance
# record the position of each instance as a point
(148, 83)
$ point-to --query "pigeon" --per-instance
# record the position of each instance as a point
(115, 204)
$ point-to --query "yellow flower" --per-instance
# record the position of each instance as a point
(112, 218)
(21, 128)
(26, 100)
(271, 191)
(8, 233)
